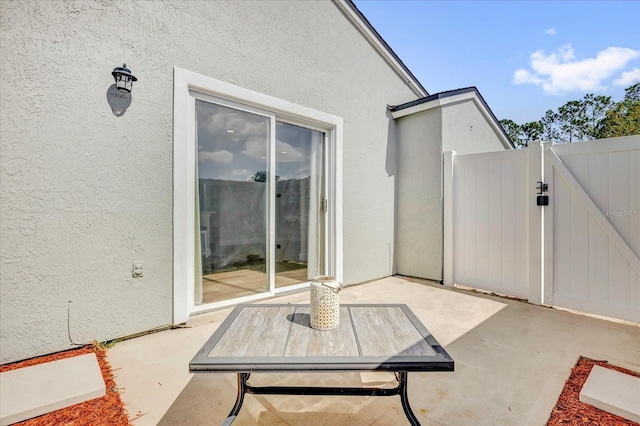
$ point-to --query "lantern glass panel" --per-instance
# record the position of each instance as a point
(123, 82)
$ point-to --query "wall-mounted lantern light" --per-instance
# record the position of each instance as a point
(123, 77)
(119, 94)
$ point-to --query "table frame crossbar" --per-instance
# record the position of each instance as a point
(246, 388)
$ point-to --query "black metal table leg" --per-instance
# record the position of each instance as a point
(402, 385)
(242, 388)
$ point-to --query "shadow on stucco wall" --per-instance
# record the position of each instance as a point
(118, 101)
(391, 167)
(391, 164)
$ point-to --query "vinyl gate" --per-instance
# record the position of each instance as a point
(579, 252)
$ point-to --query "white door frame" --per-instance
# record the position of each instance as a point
(186, 83)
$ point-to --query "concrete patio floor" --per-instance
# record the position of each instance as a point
(512, 360)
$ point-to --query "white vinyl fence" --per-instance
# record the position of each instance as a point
(580, 251)
(490, 216)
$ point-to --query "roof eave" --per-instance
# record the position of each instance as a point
(454, 97)
(349, 9)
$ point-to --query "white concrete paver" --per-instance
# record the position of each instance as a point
(39, 389)
(614, 392)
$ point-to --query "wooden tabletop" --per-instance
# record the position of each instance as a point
(279, 338)
(264, 337)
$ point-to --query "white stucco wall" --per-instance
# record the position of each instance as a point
(419, 195)
(83, 194)
(466, 130)
(422, 138)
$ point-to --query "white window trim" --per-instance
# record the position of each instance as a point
(184, 157)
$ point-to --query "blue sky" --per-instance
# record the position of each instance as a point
(525, 57)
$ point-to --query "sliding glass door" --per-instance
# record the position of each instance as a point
(256, 231)
(299, 214)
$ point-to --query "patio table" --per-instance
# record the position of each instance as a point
(279, 338)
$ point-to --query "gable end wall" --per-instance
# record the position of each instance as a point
(85, 193)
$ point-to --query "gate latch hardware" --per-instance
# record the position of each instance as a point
(542, 200)
(542, 187)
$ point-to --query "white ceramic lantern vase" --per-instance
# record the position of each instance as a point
(325, 303)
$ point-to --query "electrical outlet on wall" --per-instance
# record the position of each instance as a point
(137, 269)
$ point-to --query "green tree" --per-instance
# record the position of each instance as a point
(514, 131)
(571, 120)
(592, 117)
(261, 176)
(521, 135)
(595, 110)
(532, 131)
(632, 93)
(623, 119)
(550, 127)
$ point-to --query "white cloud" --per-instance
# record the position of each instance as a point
(287, 153)
(219, 122)
(256, 147)
(222, 156)
(628, 78)
(242, 174)
(550, 31)
(523, 76)
(560, 71)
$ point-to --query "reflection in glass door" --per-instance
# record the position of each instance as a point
(232, 201)
(256, 231)
(299, 203)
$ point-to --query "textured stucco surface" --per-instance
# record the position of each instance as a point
(422, 138)
(84, 194)
(419, 195)
(466, 131)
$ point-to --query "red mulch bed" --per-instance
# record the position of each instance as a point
(106, 411)
(570, 411)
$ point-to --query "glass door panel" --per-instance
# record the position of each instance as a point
(231, 203)
(299, 218)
